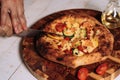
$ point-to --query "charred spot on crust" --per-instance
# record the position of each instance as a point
(42, 47)
(103, 49)
(70, 77)
(102, 37)
(97, 25)
(108, 44)
(59, 59)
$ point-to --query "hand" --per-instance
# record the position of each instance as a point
(14, 9)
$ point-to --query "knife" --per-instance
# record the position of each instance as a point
(34, 32)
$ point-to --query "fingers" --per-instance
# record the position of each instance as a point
(18, 17)
(20, 10)
(15, 21)
(16, 10)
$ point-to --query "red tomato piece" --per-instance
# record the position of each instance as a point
(60, 27)
(82, 74)
(67, 38)
(80, 48)
(101, 69)
(59, 46)
(68, 51)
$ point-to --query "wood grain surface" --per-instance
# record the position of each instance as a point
(44, 69)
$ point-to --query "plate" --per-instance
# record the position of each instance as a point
(44, 69)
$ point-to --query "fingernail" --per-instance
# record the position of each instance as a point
(16, 30)
(20, 30)
(24, 27)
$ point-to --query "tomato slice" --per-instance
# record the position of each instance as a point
(82, 74)
(68, 51)
(80, 48)
(67, 38)
(101, 69)
(60, 27)
(59, 46)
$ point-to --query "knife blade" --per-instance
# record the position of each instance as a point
(34, 32)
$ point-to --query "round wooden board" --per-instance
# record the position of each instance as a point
(43, 69)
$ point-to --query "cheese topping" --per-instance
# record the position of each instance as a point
(78, 33)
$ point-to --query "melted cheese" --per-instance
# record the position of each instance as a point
(66, 46)
(90, 44)
(80, 33)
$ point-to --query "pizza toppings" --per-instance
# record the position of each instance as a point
(68, 51)
(67, 38)
(80, 48)
(83, 44)
(76, 36)
(60, 27)
(68, 33)
(83, 33)
(72, 29)
(101, 69)
(82, 74)
(55, 37)
(76, 52)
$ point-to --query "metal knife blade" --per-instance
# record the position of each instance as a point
(34, 32)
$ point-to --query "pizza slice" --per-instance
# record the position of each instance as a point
(84, 41)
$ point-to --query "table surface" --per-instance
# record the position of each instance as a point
(11, 64)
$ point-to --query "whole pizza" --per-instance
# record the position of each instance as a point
(80, 40)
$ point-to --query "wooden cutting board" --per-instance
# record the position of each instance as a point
(43, 69)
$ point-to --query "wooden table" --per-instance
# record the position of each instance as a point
(11, 64)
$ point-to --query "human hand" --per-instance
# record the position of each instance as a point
(14, 8)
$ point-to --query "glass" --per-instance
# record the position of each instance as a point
(111, 15)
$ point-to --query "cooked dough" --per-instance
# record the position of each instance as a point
(85, 41)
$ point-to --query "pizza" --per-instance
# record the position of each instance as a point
(80, 40)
